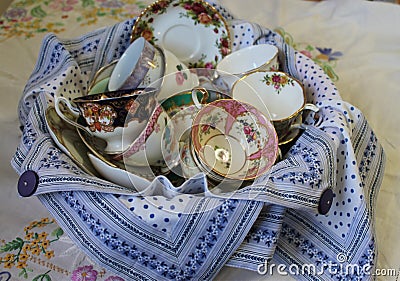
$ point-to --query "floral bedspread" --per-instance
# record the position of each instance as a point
(31, 256)
(28, 18)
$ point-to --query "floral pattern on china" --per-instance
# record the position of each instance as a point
(99, 118)
(194, 30)
(278, 81)
(235, 139)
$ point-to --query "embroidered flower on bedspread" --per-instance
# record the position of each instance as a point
(326, 58)
(84, 273)
(20, 251)
(29, 18)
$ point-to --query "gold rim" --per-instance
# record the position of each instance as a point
(98, 73)
(258, 69)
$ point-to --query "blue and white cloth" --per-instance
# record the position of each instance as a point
(176, 233)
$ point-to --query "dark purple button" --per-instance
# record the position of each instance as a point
(28, 183)
(325, 202)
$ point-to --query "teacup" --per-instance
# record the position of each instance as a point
(233, 140)
(153, 77)
(117, 117)
(132, 66)
(263, 57)
(182, 107)
(189, 166)
(276, 94)
(150, 147)
(177, 77)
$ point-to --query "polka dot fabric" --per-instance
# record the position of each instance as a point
(338, 119)
(160, 212)
(161, 205)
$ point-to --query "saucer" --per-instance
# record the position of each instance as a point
(194, 31)
(120, 176)
(66, 138)
(96, 147)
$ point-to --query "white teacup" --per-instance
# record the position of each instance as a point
(263, 57)
(277, 95)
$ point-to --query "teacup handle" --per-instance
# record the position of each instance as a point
(74, 111)
(302, 126)
(314, 108)
(311, 106)
(195, 98)
(216, 78)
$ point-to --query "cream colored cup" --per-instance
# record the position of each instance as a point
(177, 77)
(277, 95)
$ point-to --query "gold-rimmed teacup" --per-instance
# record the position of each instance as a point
(276, 94)
(233, 140)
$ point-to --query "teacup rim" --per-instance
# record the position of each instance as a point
(286, 74)
(102, 97)
(248, 72)
(189, 92)
(98, 73)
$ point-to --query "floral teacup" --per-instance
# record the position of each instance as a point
(177, 77)
(275, 94)
(233, 140)
(181, 109)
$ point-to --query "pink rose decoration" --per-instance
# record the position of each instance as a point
(179, 78)
(204, 18)
(247, 130)
(209, 65)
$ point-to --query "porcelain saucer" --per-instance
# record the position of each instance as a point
(66, 138)
(96, 147)
(120, 176)
(193, 30)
